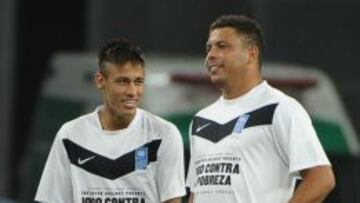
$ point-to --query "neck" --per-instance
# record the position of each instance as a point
(241, 86)
(111, 121)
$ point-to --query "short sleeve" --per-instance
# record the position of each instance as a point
(55, 184)
(190, 178)
(170, 176)
(296, 139)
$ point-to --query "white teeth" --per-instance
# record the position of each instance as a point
(213, 68)
(129, 103)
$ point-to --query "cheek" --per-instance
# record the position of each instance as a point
(114, 93)
(140, 90)
(239, 60)
(243, 58)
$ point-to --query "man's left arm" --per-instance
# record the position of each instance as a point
(175, 200)
(316, 184)
(170, 173)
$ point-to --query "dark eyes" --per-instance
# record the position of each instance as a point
(218, 45)
(139, 82)
(121, 81)
(127, 81)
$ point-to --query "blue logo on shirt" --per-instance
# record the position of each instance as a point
(240, 123)
(141, 158)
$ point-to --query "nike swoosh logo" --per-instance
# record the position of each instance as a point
(81, 162)
(202, 127)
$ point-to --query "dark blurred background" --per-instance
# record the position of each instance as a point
(321, 33)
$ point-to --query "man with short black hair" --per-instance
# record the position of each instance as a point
(119, 152)
(252, 144)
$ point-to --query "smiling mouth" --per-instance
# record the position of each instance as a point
(213, 68)
(130, 104)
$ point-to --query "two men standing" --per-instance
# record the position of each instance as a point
(249, 146)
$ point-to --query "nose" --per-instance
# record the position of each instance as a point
(131, 90)
(211, 55)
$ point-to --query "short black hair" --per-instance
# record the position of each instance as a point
(119, 51)
(246, 26)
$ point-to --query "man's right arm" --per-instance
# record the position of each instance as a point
(55, 183)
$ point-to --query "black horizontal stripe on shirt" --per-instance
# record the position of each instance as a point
(106, 167)
(215, 132)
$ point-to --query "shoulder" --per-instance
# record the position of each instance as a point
(285, 101)
(80, 123)
(157, 124)
(288, 107)
(207, 110)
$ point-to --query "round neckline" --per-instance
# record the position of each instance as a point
(119, 131)
(254, 90)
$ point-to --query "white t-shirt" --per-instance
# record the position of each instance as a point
(250, 149)
(140, 164)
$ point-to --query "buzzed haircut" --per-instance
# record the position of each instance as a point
(119, 51)
(248, 28)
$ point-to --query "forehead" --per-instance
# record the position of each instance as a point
(125, 70)
(226, 34)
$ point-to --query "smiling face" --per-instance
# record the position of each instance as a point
(232, 62)
(227, 57)
(122, 86)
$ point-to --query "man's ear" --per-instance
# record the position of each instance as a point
(99, 80)
(253, 52)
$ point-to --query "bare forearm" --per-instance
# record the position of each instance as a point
(175, 200)
(191, 198)
(316, 184)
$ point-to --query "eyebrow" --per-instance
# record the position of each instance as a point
(217, 42)
(208, 44)
(130, 78)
